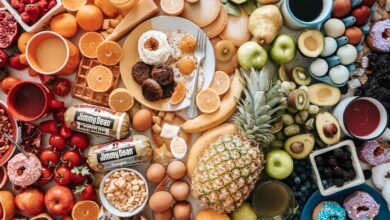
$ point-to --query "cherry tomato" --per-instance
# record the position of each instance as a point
(49, 157)
(47, 175)
(61, 86)
(8, 83)
(79, 140)
(57, 141)
(58, 114)
(79, 174)
(73, 157)
(65, 132)
(62, 175)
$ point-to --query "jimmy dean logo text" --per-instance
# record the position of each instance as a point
(94, 120)
(117, 154)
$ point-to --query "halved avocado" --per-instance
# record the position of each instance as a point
(297, 99)
(311, 43)
(299, 146)
(300, 76)
(328, 128)
(322, 94)
(282, 73)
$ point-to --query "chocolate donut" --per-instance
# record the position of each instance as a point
(378, 38)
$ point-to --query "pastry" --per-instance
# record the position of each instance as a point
(374, 152)
(360, 205)
(328, 210)
(378, 39)
(216, 27)
(203, 12)
(23, 171)
(237, 29)
(386, 193)
(380, 175)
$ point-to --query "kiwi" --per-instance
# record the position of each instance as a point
(300, 76)
(282, 74)
(297, 99)
(224, 50)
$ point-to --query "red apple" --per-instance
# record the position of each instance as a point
(341, 8)
(354, 35)
(30, 201)
(59, 200)
(362, 14)
(368, 2)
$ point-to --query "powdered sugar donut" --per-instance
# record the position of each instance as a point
(374, 152)
(380, 175)
(386, 193)
(360, 205)
(23, 171)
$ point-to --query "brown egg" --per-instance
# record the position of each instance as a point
(182, 211)
(179, 190)
(155, 173)
(186, 65)
(142, 120)
(160, 201)
(187, 44)
(176, 169)
(166, 215)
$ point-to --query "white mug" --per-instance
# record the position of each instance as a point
(381, 131)
(293, 22)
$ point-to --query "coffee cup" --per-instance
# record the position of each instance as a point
(305, 19)
(29, 101)
(363, 118)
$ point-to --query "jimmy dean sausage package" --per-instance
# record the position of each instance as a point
(98, 120)
(130, 151)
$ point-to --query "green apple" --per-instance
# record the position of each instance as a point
(279, 164)
(251, 54)
(245, 211)
(283, 49)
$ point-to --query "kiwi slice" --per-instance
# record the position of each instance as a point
(224, 50)
(297, 99)
(282, 74)
(300, 76)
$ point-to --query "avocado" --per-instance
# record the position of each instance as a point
(300, 76)
(322, 94)
(299, 146)
(297, 99)
(282, 74)
(328, 128)
(276, 127)
(311, 43)
(245, 211)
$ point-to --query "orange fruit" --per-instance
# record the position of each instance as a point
(73, 5)
(120, 100)
(64, 24)
(23, 40)
(208, 100)
(23, 59)
(109, 53)
(88, 44)
(179, 93)
(100, 78)
(220, 83)
(85, 210)
(172, 7)
(90, 18)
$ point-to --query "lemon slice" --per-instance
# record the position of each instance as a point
(208, 100)
(220, 83)
(100, 78)
(120, 100)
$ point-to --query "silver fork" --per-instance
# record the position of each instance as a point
(200, 53)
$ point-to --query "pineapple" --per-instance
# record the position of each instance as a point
(229, 168)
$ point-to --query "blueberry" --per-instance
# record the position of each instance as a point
(307, 184)
(297, 180)
(302, 189)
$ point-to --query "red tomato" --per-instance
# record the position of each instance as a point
(46, 176)
(61, 86)
(58, 114)
(62, 175)
(59, 200)
(57, 141)
(86, 192)
(79, 140)
(8, 83)
(79, 174)
(73, 157)
(65, 132)
(49, 157)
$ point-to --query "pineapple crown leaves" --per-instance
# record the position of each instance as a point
(256, 111)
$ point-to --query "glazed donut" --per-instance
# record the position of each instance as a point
(386, 193)
(360, 205)
(328, 210)
(380, 175)
(374, 152)
(24, 171)
(378, 38)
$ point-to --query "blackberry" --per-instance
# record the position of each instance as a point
(346, 155)
(332, 161)
(319, 160)
(338, 171)
(339, 182)
(338, 152)
(328, 172)
(351, 174)
(347, 164)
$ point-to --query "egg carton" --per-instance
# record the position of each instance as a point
(81, 89)
(333, 60)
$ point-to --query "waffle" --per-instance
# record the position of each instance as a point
(83, 92)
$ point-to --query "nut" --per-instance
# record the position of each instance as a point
(297, 147)
(330, 130)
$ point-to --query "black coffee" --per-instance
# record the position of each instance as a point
(306, 10)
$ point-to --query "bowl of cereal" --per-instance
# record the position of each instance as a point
(124, 192)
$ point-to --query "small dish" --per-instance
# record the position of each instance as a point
(355, 161)
(16, 134)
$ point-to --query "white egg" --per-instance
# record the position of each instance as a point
(319, 67)
(334, 28)
(347, 54)
(330, 46)
(339, 74)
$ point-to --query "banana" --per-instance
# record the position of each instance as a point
(203, 141)
(227, 108)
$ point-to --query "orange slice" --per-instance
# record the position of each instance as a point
(120, 100)
(73, 5)
(85, 210)
(179, 93)
(89, 42)
(100, 78)
(109, 53)
(208, 100)
(220, 83)
(172, 7)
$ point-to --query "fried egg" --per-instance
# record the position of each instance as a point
(182, 43)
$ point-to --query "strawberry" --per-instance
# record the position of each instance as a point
(14, 62)
(33, 1)
(42, 4)
(21, 8)
(25, 2)
(85, 191)
(49, 126)
(47, 79)
(51, 5)
(25, 18)
(33, 11)
(15, 4)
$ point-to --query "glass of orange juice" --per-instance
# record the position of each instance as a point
(50, 53)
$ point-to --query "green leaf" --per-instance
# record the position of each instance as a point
(250, 6)
(233, 9)
(224, 1)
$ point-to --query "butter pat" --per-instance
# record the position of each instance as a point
(169, 131)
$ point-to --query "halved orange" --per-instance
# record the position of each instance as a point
(109, 53)
(172, 7)
(220, 83)
(89, 42)
(120, 100)
(73, 5)
(85, 210)
(208, 100)
(100, 78)
(179, 93)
